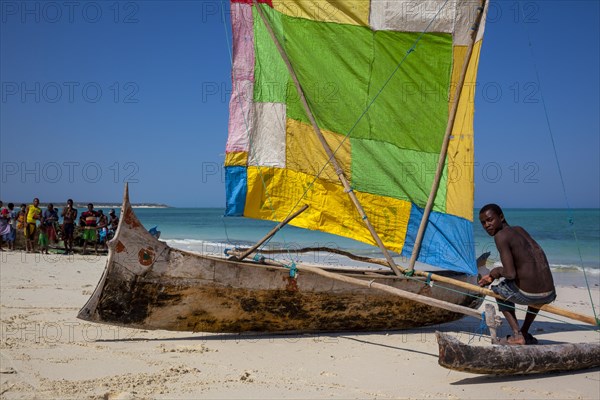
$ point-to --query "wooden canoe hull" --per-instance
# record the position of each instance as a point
(516, 360)
(148, 285)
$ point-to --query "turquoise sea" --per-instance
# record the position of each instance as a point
(571, 239)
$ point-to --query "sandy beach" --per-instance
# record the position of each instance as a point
(46, 353)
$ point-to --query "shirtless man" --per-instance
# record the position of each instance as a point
(69, 215)
(525, 269)
(114, 220)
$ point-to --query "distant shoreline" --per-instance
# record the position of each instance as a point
(96, 205)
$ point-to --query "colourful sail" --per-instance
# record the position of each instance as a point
(379, 77)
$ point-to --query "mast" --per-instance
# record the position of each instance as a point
(338, 170)
(446, 140)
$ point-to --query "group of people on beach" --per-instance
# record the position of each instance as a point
(31, 220)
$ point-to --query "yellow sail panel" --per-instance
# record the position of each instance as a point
(273, 192)
(353, 12)
(460, 159)
(306, 154)
(236, 158)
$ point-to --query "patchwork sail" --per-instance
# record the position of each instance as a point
(379, 78)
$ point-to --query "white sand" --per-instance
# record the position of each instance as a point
(46, 353)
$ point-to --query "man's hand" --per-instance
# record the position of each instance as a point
(486, 280)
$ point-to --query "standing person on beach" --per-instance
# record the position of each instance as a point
(4, 224)
(10, 238)
(33, 215)
(102, 229)
(22, 218)
(43, 238)
(50, 218)
(69, 215)
(526, 274)
(89, 218)
(113, 221)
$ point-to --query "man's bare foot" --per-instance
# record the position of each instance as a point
(513, 340)
(529, 339)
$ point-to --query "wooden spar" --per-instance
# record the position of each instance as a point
(445, 142)
(339, 171)
(272, 232)
(487, 292)
(386, 288)
(398, 292)
(493, 321)
(463, 285)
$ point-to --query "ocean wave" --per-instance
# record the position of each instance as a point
(199, 246)
(574, 268)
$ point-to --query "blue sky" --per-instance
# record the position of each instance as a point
(96, 93)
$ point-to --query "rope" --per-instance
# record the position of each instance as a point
(225, 229)
(293, 270)
(483, 328)
(428, 280)
(571, 219)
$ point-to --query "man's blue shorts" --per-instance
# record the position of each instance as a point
(509, 290)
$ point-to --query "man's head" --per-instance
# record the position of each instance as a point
(50, 206)
(491, 218)
(112, 212)
(36, 201)
(90, 206)
(70, 202)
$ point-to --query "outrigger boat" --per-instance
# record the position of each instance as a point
(351, 118)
